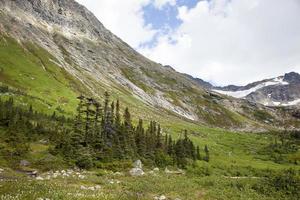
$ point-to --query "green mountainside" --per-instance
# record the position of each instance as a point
(51, 52)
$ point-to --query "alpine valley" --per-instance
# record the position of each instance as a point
(59, 65)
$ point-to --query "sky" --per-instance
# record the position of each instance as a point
(221, 41)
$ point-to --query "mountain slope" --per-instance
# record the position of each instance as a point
(64, 51)
(280, 91)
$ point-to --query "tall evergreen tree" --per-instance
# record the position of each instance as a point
(206, 151)
(128, 130)
(198, 155)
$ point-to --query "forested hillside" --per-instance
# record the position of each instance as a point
(85, 116)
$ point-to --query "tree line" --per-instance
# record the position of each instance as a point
(99, 132)
(102, 133)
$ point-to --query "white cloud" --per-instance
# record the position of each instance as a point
(161, 3)
(124, 18)
(223, 41)
(233, 41)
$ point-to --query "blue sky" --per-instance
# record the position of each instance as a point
(221, 41)
(165, 19)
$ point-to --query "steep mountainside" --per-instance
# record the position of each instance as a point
(280, 91)
(53, 50)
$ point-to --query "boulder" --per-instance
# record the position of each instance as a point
(24, 163)
(136, 172)
(39, 178)
(178, 172)
(138, 164)
(156, 169)
(118, 174)
(162, 197)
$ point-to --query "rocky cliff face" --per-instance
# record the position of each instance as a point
(83, 47)
(280, 91)
(72, 33)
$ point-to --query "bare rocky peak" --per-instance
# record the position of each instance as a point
(69, 32)
(68, 15)
(292, 77)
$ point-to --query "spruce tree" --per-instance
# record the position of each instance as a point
(198, 156)
(206, 151)
(140, 139)
(128, 129)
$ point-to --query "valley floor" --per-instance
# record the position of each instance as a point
(238, 170)
(92, 185)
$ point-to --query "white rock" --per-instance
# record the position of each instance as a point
(138, 164)
(118, 174)
(91, 188)
(162, 197)
(65, 174)
(136, 172)
(83, 187)
(97, 187)
(39, 178)
(156, 169)
(167, 170)
(81, 176)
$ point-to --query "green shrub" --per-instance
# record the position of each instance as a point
(200, 168)
(286, 184)
(287, 181)
(162, 159)
(50, 162)
(84, 162)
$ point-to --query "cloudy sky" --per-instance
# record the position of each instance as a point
(221, 41)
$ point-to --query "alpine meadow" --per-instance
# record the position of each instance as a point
(85, 116)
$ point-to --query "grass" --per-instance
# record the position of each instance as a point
(31, 69)
(125, 187)
(49, 88)
(232, 154)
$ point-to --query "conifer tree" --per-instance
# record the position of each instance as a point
(119, 135)
(128, 130)
(89, 120)
(206, 151)
(198, 156)
(140, 139)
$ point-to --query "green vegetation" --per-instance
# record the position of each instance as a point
(36, 73)
(97, 135)
(238, 166)
(241, 165)
(100, 135)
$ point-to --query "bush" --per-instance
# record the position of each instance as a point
(199, 168)
(84, 162)
(162, 159)
(50, 162)
(286, 184)
(287, 181)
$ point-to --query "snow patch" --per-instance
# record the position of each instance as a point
(291, 103)
(277, 103)
(244, 93)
